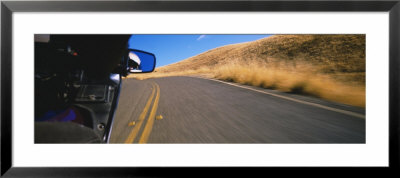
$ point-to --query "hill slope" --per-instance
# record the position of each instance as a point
(336, 53)
(326, 66)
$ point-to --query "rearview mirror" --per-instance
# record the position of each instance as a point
(140, 61)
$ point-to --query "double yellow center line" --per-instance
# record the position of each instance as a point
(150, 121)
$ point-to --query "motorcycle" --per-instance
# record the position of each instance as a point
(78, 80)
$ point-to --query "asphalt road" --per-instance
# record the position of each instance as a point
(196, 110)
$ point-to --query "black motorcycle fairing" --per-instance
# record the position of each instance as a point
(81, 72)
(101, 54)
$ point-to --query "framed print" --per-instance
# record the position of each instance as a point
(225, 84)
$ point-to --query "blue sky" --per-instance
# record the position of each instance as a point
(173, 48)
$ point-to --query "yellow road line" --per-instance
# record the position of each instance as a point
(150, 121)
(142, 116)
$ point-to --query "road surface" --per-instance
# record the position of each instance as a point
(198, 110)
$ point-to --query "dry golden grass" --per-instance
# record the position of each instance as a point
(331, 67)
(300, 81)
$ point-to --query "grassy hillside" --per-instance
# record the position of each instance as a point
(326, 66)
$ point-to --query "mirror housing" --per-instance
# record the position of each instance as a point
(138, 61)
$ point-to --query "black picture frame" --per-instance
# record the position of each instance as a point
(8, 7)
